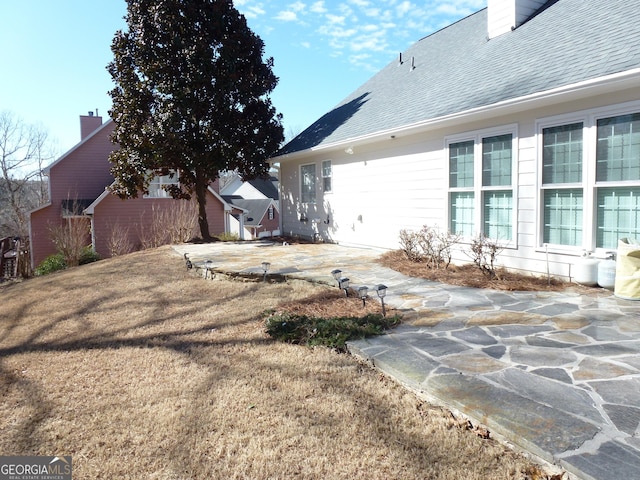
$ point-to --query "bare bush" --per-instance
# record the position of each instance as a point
(410, 246)
(70, 238)
(118, 242)
(155, 235)
(484, 252)
(176, 223)
(181, 220)
(429, 245)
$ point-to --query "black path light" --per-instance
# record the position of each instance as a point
(362, 292)
(265, 268)
(381, 290)
(343, 283)
(336, 275)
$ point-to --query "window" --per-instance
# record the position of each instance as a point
(562, 152)
(308, 183)
(461, 184)
(270, 212)
(326, 176)
(158, 184)
(617, 166)
(481, 186)
(591, 181)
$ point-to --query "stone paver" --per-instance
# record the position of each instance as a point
(557, 374)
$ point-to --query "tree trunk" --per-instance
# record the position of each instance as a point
(201, 197)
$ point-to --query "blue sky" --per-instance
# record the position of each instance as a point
(54, 53)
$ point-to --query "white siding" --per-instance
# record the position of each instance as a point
(402, 183)
(505, 15)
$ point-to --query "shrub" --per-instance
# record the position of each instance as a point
(89, 255)
(56, 262)
(228, 237)
(51, 264)
(429, 245)
(410, 245)
(118, 242)
(329, 332)
(70, 238)
(484, 252)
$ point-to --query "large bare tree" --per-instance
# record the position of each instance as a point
(24, 150)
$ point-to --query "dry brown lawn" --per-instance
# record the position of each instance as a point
(142, 370)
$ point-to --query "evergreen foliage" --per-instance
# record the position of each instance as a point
(191, 96)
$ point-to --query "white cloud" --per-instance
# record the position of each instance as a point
(287, 16)
(254, 11)
(360, 3)
(404, 8)
(318, 7)
(335, 19)
(298, 6)
(305, 44)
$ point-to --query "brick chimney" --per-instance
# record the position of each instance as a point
(506, 15)
(88, 124)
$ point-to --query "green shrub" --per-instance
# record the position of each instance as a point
(88, 255)
(228, 237)
(56, 262)
(330, 332)
(52, 263)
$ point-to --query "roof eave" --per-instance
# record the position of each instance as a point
(576, 91)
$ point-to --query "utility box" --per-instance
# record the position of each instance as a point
(627, 282)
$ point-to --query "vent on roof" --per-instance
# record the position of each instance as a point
(413, 64)
(400, 59)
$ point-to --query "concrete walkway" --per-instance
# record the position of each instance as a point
(557, 374)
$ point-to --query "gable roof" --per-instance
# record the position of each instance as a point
(457, 69)
(266, 186)
(254, 209)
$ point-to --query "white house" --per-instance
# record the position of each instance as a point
(521, 121)
(258, 201)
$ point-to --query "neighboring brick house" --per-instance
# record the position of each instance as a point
(78, 183)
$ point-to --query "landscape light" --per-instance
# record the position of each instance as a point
(265, 268)
(381, 290)
(362, 291)
(336, 275)
(343, 283)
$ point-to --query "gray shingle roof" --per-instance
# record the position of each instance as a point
(255, 208)
(458, 68)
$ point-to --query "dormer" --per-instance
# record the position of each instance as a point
(506, 15)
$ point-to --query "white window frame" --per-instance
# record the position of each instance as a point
(314, 192)
(156, 189)
(324, 176)
(478, 189)
(590, 185)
